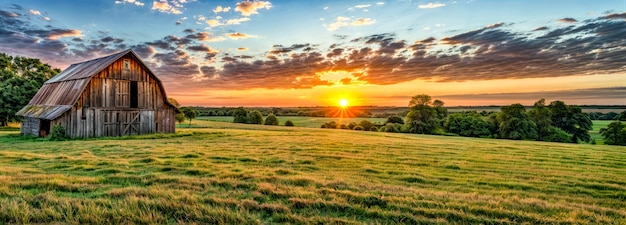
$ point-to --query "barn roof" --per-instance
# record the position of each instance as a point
(61, 92)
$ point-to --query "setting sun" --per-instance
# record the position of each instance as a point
(343, 102)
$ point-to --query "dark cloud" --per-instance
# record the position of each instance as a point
(200, 48)
(208, 71)
(189, 31)
(8, 14)
(111, 39)
(279, 49)
(541, 28)
(160, 44)
(610, 95)
(568, 20)
(616, 16)
(175, 65)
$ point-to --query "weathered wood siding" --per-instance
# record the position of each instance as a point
(30, 126)
(104, 107)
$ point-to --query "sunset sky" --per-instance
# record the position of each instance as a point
(314, 53)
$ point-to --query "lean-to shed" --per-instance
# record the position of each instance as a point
(109, 96)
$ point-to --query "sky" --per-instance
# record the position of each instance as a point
(314, 53)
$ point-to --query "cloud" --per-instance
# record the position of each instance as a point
(380, 3)
(220, 9)
(247, 8)
(242, 49)
(541, 28)
(204, 36)
(237, 21)
(59, 33)
(362, 6)
(574, 96)
(431, 5)
(201, 48)
(34, 12)
(568, 20)
(341, 21)
(8, 14)
(238, 35)
(134, 2)
(213, 23)
(169, 6)
(616, 16)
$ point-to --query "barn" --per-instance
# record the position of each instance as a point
(114, 95)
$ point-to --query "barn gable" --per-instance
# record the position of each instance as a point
(101, 92)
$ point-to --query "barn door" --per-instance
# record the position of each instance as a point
(131, 123)
(44, 128)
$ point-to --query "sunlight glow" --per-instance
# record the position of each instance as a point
(343, 102)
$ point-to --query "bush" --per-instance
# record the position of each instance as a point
(557, 135)
(271, 120)
(289, 123)
(255, 117)
(395, 119)
(391, 128)
(373, 128)
(58, 133)
(358, 128)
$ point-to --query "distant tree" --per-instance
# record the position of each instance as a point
(390, 127)
(423, 118)
(572, 120)
(394, 119)
(358, 128)
(515, 124)
(271, 120)
(366, 124)
(289, 123)
(20, 79)
(351, 125)
(173, 102)
(240, 115)
(189, 113)
(621, 116)
(255, 117)
(180, 117)
(467, 124)
(541, 115)
(555, 134)
(614, 134)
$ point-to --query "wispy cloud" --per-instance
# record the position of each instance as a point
(238, 35)
(134, 2)
(34, 12)
(341, 21)
(247, 8)
(362, 6)
(220, 9)
(568, 20)
(169, 6)
(431, 5)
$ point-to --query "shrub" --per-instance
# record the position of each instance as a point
(255, 117)
(557, 135)
(390, 127)
(352, 125)
(373, 128)
(271, 120)
(395, 119)
(358, 128)
(58, 133)
(366, 124)
(289, 123)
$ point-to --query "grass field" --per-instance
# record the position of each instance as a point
(251, 174)
(302, 121)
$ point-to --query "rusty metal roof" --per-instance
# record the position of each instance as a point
(61, 92)
(43, 111)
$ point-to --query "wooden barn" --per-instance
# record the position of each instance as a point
(110, 96)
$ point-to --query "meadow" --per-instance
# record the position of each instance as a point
(231, 173)
(300, 121)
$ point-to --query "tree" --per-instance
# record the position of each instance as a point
(189, 113)
(423, 118)
(515, 124)
(271, 120)
(20, 79)
(542, 117)
(614, 134)
(289, 123)
(240, 115)
(572, 120)
(621, 116)
(366, 124)
(467, 125)
(255, 117)
(180, 117)
(394, 119)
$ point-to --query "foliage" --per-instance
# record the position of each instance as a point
(20, 79)
(358, 127)
(180, 117)
(423, 118)
(366, 124)
(614, 133)
(555, 134)
(189, 113)
(289, 123)
(58, 133)
(240, 115)
(395, 119)
(515, 124)
(621, 116)
(271, 120)
(467, 124)
(541, 115)
(391, 128)
(351, 125)
(254, 117)
(572, 120)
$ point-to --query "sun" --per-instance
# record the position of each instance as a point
(343, 102)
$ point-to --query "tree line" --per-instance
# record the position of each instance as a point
(553, 122)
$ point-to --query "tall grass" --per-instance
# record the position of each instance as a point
(250, 174)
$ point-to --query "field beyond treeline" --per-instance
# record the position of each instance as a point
(252, 174)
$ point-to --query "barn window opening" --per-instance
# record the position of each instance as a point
(126, 64)
(134, 94)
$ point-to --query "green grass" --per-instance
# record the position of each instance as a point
(251, 174)
(597, 125)
(300, 121)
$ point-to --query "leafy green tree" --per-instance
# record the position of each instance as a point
(366, 124)
(614, 134)
(271, 120)
(240, 115)
(555, 134)
(255, 117)
(467, 124)
(541, 115)
(394, 119)
(423, 118)
(289, 123)
(351, 125)
(20, 79)
(621, 116)
(189, 113)
(515, 124)
(180, 117)
(572, 120)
